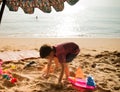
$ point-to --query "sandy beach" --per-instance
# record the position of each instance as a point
(99, 57)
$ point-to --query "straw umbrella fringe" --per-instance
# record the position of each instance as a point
(28, 6)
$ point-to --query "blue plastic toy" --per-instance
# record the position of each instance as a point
(90, 81)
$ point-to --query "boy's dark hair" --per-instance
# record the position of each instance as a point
(45, 51)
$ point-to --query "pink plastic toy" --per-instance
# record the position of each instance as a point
(1, 71)
(80, 83)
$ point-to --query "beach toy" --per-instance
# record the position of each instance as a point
(29, 64)
(90, 81)
(13, 67)
(13, 80)
(79, 73)
(6, 76)
(80, 83)
(1, 71)
(9, 70)
(9, 77)
(6, 73)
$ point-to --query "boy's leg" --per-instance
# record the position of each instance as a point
(67, 73)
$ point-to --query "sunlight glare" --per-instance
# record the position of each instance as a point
(70, 9)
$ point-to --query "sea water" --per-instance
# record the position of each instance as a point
(100, 22)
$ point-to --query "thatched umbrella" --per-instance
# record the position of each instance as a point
(28, 6)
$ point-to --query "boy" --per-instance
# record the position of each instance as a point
(62, 53)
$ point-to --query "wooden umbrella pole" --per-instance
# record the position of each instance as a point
(2, 9)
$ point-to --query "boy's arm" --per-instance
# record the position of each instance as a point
(48, 68)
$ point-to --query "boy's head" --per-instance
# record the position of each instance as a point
(45, 50)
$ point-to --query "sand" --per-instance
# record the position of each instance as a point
(99, 57)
